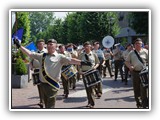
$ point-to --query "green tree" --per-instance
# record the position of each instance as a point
(82, 26)
(40, 21)
(139, 22)
(22, 21)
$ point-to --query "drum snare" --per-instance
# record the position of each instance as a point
(69, 72)
(92, 77)
(35, 77)
(144, 77)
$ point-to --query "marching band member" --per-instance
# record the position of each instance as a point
(64, 81)
(35, 66)
(92, 57)
(74, 54)
(50, 69)
(136, 61)
(129, 47)
(101, 58)
(118, 61)
(107, 54)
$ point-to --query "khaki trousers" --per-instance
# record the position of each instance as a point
(49, 95)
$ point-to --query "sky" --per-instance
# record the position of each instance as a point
(60, 14)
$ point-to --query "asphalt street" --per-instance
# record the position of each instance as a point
(115, 95)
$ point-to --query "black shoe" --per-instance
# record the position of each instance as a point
(66, 96)
(88, 105)
(111, 76)
(99, 95)
(73, 87)
(40, 105)
(139, 105)
(91, 106)
(115, 79)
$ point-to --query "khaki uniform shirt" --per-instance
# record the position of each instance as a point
(74, 54)
(52, 64)
(93, 58)
(35, 63)
(117, 54)
(133, 59)
(125, 54)
(107, 54)
(67, 54)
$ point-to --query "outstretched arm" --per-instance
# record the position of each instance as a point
(26, 51)
(79, 62)
(23, 49)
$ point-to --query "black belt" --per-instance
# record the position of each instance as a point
(36, 70)
(136, 71)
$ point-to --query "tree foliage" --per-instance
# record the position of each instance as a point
(83, 26)
(40, 21)
(139, 22)
(77, 27)
(21, 68)
(23, 21)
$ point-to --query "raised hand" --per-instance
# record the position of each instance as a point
(16, 42)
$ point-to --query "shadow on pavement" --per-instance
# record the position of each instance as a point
(31, 106)
(35, 97)
(122, 90)
(75, 99)
(128, 99)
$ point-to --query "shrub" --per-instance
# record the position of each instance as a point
(20, 54)
(21, 68)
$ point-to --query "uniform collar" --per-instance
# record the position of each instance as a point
(40, 51)
(54, 54)
(90, 53)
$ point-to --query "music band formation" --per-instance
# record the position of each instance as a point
(68, 63)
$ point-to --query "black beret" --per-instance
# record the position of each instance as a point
(87, 43)
(40, 40)
(138, 39)
(52, 41)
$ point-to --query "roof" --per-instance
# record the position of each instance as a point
(125, 32)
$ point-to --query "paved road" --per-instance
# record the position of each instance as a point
(115, 95)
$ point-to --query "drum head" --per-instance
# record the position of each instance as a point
(108, 41)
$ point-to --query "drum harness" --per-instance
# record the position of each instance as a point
(47, 78)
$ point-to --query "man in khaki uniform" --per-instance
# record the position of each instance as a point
(93, 58)
(74, 54)
(65, 82)
(135, 66)
(129, 47)
(101, 58)
(118, 61)
(107, 54)
(35, 66)
(50, 69)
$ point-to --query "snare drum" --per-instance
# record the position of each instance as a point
(35, 77)
(69, 72)
(92, 77)
(144, 77)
